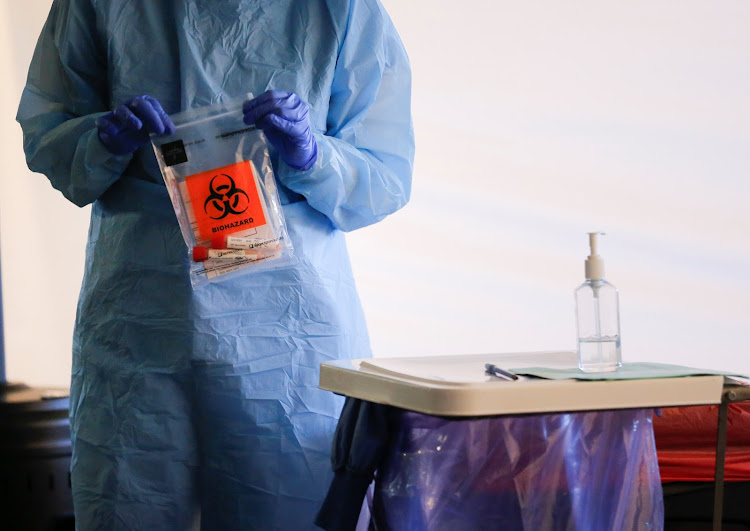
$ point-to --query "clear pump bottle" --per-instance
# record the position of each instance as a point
(597, 317)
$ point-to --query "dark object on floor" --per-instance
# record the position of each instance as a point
(35, 454)
(688, 506)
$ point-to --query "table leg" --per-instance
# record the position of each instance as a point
(721, 446)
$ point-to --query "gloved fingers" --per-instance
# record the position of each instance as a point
(286, 104)
(296, 132)
(149, 114)
(127, 128)
(127, 118)
(283, 117)
(169, 127)
(272, 97)
(258, 112)
(108, 124)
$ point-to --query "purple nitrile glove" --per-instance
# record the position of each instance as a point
(125, 129)
(283, 117)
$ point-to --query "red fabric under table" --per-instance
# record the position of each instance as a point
(686, 443)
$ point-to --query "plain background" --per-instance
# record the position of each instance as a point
(536, 122)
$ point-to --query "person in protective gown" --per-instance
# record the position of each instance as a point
(203, 405)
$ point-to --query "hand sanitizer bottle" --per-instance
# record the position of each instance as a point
(597, 317)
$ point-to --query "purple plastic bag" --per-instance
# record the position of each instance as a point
(571, 471)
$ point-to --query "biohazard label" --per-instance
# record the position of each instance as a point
(225, 200)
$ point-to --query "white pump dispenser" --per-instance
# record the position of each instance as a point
(594, 263)
(597, 316)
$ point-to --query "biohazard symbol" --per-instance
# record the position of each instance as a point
(225, 198)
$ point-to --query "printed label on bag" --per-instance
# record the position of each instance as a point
(173, 153)
(225, 200)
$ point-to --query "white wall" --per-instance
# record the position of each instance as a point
(536, 122)
(42, 236)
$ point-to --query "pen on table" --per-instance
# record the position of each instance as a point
(500, 373)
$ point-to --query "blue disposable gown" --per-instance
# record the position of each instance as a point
(209, 398)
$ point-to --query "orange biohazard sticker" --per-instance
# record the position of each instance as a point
(225, 200)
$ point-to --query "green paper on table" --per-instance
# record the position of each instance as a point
(628, 371)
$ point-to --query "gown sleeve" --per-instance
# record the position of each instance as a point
(64, 94)
(365, 158)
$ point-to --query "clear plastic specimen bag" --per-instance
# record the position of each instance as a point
(221, 183)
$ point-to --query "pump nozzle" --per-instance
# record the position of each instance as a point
(594, 263)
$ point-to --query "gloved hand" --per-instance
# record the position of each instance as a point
(127, 128)
(283, 117)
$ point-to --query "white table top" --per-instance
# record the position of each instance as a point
(458, 386)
